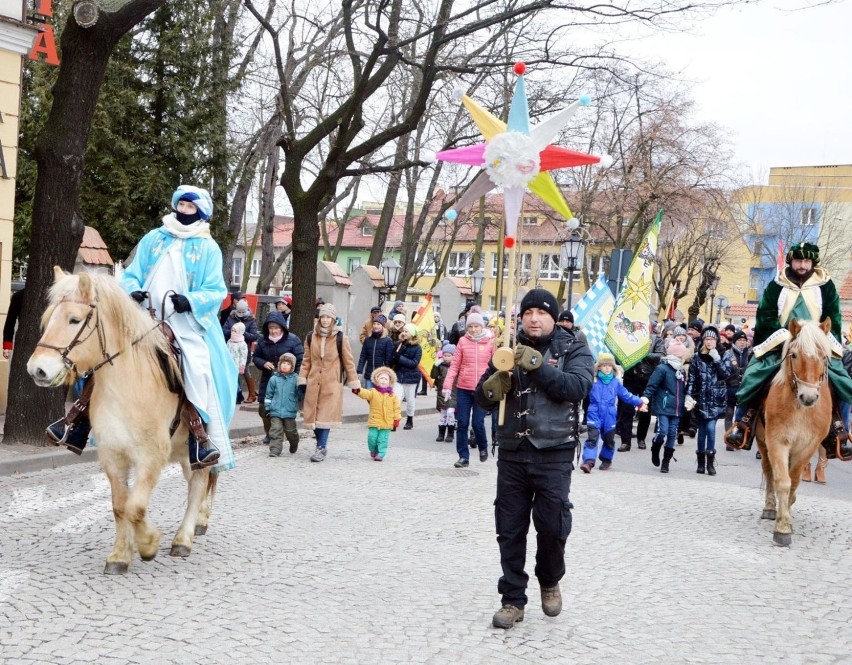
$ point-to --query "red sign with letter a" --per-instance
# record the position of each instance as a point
(45, 41)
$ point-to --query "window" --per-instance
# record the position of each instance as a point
(524, 261)
(486, 220)
(809, 216)
(427, 266)
(548, 266)
(758, 246)
(255, 268)
(492, 303)
(598, 265)
(532, 220)
(237, 270)
(716, 230)
(354, 263)
(367, 230)
(459, 264)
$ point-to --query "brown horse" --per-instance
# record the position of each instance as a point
(797, 417)
(92, 327)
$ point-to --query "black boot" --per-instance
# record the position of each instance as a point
(837, 442)
(409, 423)
(624, 447)
(74, 437)
(740, 435)
(656, 444)
(451, 434)
(199, 456)
(711, 463)
(442, 432)
(668, 454)
(701, 457)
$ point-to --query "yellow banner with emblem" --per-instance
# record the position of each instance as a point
(424, 319)
(628, 333)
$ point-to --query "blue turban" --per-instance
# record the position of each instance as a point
(199, 197)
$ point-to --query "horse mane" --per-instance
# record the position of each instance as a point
(810, 341)
(123, 320)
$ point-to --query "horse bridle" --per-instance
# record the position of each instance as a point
(76, 340)
(795, 380)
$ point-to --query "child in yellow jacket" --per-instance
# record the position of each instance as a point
(385, 411)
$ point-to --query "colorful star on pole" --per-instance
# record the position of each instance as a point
(518, 157)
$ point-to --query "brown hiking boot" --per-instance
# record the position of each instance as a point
(551, 601)
(507, 616)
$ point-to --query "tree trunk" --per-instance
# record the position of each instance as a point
(57, 229)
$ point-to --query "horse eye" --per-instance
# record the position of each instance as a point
(793, 355)
(74, 321)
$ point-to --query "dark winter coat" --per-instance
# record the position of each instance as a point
(268, 351)
(666, 391)
(376, 352)
(542, 406)
(439, 375)
(737, 361)
(251, 334)
(406, 359)
(707, 385)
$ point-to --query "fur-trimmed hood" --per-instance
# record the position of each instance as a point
(618, 370)
(383, 370)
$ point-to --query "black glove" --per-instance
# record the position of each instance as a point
(527, 358)
(497, 385)
(181, 303)
(301, 390)
(138, 296)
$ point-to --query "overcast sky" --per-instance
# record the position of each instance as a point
(778, 79)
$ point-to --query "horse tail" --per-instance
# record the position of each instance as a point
(212, 481)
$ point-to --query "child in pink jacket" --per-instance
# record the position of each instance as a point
(473, 353)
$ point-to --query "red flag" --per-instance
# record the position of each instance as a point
(779, 260)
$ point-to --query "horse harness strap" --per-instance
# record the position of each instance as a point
(186, 411)
(81, 404)
(795, 380)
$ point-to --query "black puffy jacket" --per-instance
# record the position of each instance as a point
(269, 351)
(707, 385)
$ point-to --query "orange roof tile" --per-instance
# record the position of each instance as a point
(337, 273)
(93, 250)
(747, 310)
(375, 274)
(845, 291)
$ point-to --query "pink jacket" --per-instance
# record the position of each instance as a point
(469, 362)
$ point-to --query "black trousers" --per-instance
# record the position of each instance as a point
(624, 419)
(540, 490)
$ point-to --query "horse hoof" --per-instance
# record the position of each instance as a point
(180, 550)
(116, 568)
(200, 529)
(768, 515)
(150, 557)
(782, 539)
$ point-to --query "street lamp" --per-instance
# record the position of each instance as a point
(570, 255)
(714, 284)
(390, 269)
(477, 281)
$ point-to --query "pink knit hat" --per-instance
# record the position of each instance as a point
(676, 348)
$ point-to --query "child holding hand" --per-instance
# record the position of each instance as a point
(606, 390)
(281, 402)
(385, 411)
(238, 349)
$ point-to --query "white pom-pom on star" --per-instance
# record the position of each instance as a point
(572, 224)
(605, 161)
(458, 93)
(428, 156)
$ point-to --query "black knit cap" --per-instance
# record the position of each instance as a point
(710, 331)
(567, 315)
(542, 299)
(803, 250)
(696, 325)
(737, 336)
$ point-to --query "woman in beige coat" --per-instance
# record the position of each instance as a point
(322, 368)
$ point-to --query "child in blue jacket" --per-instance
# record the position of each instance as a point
(606, 390)
(281, 402)
(666, 393)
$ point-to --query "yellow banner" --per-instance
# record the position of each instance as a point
(424, 319)
(628, 334)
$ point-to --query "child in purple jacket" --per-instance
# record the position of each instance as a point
(606, 390)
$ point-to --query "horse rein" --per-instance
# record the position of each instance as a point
(795, 380)
(76, 340)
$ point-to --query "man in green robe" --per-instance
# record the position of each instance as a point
(803, 291)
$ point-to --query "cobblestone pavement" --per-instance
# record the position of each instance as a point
(359, 562)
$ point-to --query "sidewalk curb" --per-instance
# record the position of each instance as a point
(55, 458)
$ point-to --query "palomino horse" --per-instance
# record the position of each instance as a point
(91, 326)
(797, 416)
